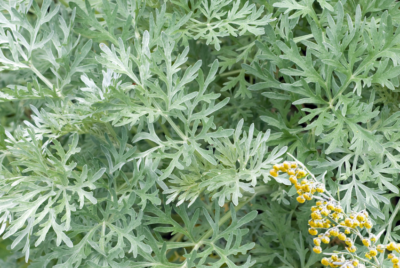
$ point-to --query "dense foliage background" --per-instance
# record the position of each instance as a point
(140, 133)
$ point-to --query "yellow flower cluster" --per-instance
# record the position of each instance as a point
(305, 188)
(329, 220)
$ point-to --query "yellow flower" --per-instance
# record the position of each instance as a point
(317, 249)
(372, 238)
(351, 249)
(325, 212)
(325, 240)
(342, 236)
(395, 260)
(317, 241)
(368, 256)
(313, 231)
(380, 248)
(391, 246)
(301, 174)
(348, 222)
(325, 261)
(338, 209)
(334, 232)
(373, 252)
(366, 242)
(368, 225)
(273, 173)
(320, 189)
(301, 199)
(286, 165)
(348, 241)
(361, 217)
(307, 196)
(355, 262)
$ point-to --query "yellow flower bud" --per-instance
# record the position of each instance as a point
(366, 242)
(317, 249)
(325, 261)
(313, 231)
(325, 240)
(301, 199)
(317, 241)
(342, 236)
(273, 173)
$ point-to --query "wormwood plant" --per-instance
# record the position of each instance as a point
(158, 133)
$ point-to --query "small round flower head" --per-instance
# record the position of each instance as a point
(320, 188)
(317, 249)
(342, 236)
(368, 256)
(325, 261)
(313, 231)
(372, 238)
(347, 231)
(273, 173)
(317, 241)
(348, 241)
(334, 257)
(351, 249)
(301, 173)
(325, 239)
(334, 232)
(380, 248)
(277, 167)
(307, 196)
(338, 209)
(325, 212)
(390, 256)
(348, 222)
(286, 165)
(361, 217)
(373, 252)
(366, 242)
(391, 246)
(395, 260)
(330, 206)
(355, 262)
(368, 224)
(301, 199)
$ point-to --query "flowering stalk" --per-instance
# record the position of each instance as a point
(328, 220)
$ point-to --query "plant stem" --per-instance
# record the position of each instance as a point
(45, 80)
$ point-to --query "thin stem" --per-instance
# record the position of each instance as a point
(45, 80)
